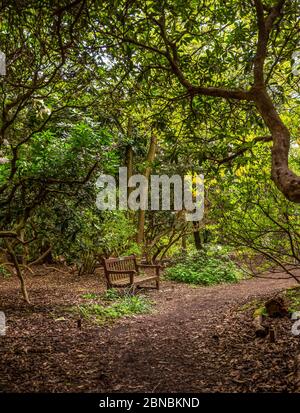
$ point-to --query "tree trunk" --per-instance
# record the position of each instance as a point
(183, 244)
(149, 160)
(129, 164)
(197, 238)
(18, 271)
(25, 247)
(286, 180)
(129, 156)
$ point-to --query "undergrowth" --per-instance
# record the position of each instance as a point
(121, 306)
(293, 297)
(204, 267)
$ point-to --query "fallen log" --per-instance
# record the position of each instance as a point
(276, 307)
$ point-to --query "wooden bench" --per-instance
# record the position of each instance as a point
(125, 271)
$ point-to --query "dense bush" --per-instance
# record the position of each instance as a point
(204, 267)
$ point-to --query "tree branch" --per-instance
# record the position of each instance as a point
(264, 29)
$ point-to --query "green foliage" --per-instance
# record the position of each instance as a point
(253, 304)
(118, 232)
(90, 296)
(249, 213)
(123, 306)
(257, 306)
(260, 311)
(293, 296)
(4, 272)
(205, 268)
(59, 153)
(111, 294)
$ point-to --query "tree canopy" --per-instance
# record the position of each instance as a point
(164, 87)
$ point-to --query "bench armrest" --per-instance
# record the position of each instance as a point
(156, 266)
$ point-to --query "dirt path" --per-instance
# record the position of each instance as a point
(194, 341)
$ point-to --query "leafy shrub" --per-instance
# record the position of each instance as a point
(122, 307)
(204, 267)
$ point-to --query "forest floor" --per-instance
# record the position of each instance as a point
(196, 339)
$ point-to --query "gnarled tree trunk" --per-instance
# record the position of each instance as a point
(286, 180)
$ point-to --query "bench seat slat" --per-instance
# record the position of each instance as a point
(137, 280)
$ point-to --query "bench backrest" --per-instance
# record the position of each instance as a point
(120, 264)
